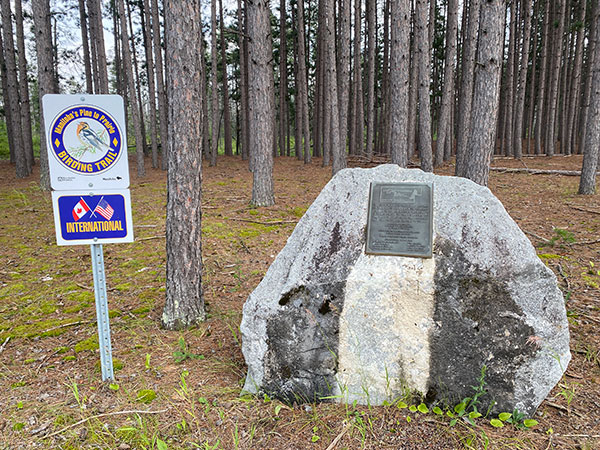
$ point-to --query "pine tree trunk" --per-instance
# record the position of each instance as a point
(412, 93)
(261, 101)
(399, 80)
(541, 101)
(136, 75)
(554, 79)
(160, 85)
(22, 168)
(135, 111)
(45, 74)
(283, 116)
(371, 44)
(204, 88)
(83, 17)
(385, 83)
(587, 183)
(444, 124)
(226, 109)
(303, 84)
(486, 93)
(215, 115)
(587, 88)
(424, 63)
(243, 118)
(507, 127)
(338, 151)
(465, 98)
(184, 305)
(522, 84)
(24, 86)
(532, 88)
(357, 102)
(6, 102)
(575, 80)
(343, 57)
(146, 20)
(97, 34)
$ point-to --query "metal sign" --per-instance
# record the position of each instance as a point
(99, 217)
(400, 219)
(87, 141)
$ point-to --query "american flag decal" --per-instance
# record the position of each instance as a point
(104, 209)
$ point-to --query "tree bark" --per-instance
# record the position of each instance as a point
(587, 183)
(371, 44)
(554, 79)
(444, 124)
(87, 64)
(22, 168)
(412, 94)
(214, 104)
(541, 101)
(260, 101)
(303, 83)
(184, 305)
(160, 84)
(338, 149)
(520, 102)
(424, 63)
(575, 79)
(45, 72)
(6, 102)
(242, 44)
(465, 98)
(343, 76)
(226, 109)
(358, 123)
(95, 17)
(146, 21)
(24, 86)
(135, 111)
(399, 80)
(508, 91)
(486, 94)
(136, 75)
(283, 77)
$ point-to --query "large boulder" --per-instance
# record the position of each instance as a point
(330, 321)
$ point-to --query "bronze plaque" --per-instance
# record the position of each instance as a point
(400, 219)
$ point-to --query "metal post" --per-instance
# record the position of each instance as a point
(102, 312)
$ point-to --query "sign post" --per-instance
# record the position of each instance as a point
(102, 312)
(89, 175)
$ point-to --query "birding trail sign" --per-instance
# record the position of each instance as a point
(99, 217)
(87, 141)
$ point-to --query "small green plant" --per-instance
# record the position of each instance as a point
(146, 396)
(516, 418)
(315, 437)
(183, 353)
(562, 237)
(467, 408)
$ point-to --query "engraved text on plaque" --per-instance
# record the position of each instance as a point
(400, 219)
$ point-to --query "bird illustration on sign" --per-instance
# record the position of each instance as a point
(92, 141)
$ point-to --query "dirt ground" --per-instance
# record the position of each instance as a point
(182, 389)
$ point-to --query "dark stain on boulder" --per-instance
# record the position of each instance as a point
(477, 323)
(301, 362)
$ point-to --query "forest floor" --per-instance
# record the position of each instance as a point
(182, 389)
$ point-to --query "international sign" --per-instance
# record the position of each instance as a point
(400, 219)
(87, 144)
(101, 217)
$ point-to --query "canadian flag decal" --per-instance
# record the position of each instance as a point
(80, 210)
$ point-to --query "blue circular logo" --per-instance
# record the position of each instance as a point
(86, 140)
